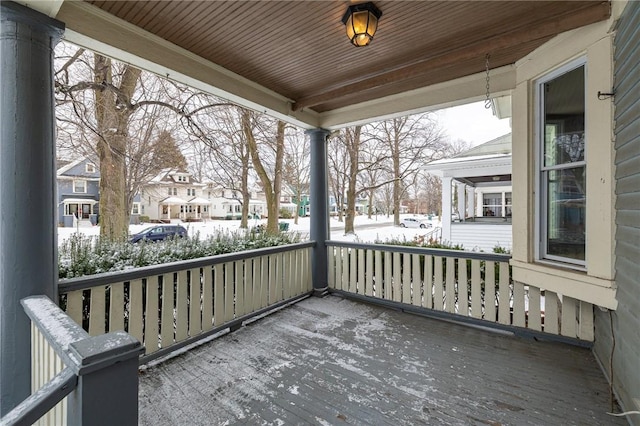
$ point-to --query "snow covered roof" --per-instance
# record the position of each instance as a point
(198, 200)
(173, 201)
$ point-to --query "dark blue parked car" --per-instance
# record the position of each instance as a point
(159, 233)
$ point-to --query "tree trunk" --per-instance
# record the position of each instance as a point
(246, 196)
(112, 117)
(271, 191)
(352, 139)
(370, 209)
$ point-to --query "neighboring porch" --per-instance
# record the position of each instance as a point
(477, 213)
(333, 361)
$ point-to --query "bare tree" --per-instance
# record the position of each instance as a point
(411, 142)
(296, 165)
(258, 129)
(113, 110)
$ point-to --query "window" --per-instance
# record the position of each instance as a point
(496, 204)
(562, 165)
(80, 186)
(90, 168)
(135, 208)
(191, 192)
(173, 191)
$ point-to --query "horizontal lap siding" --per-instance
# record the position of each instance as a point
(626, 319)
(481, 237)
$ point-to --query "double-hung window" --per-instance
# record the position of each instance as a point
(561, 165)
(80, 186)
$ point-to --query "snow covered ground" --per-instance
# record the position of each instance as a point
(367, 230)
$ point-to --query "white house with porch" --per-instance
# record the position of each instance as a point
(174, 194)
(476, 196)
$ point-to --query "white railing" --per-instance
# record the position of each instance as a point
(458, 285)
(171, 305)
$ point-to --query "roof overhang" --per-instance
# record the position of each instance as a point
(486, 169)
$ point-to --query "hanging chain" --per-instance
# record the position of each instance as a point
(487, 101)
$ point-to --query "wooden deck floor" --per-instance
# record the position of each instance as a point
(333, 361)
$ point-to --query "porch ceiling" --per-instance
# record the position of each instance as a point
(293, 59)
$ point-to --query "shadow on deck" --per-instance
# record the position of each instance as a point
(334, 361)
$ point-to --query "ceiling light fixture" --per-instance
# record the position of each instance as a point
(361, 21)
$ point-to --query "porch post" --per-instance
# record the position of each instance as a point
(471, 201)
(462, 201)
(319, 209)
(446, 209)
(28, 239)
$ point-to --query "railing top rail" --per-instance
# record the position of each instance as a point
(494, 257)
(96, 280)
(56, 326)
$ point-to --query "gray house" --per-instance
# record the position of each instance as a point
(78, 193)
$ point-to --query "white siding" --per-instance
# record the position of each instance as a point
(481, 236)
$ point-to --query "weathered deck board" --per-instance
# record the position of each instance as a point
(334, 361)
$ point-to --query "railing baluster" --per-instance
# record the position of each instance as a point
(218, 295)
(353, 277)
(416, 281)
(397, 278)
(450, 289)
(264, 281)
(518, 304)
(195, 308)
(378, 277)
(207, 298)
(569, 317)
(534, 314)
(97, 314)
(151, 316)
(182, 314)
(504, 308)
(428, 282)
(368, 281)
(406, 278)
(490, 291)
(550, 312)
(257, 283)
(239, 283)
(438, 290)
(273, 275)
(135, 310)
(476, 289)
(331, 259)
(361, 277)
(387, 282)
(229, 294)
(116, 307)
(74, 306)
(463, 288)
(167, 324)
(585, 327)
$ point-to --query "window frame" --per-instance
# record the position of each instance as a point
(541, 171)
(84, 184)
(90, 168)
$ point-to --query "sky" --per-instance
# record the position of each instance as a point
(472, 123)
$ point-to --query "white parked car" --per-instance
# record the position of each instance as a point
(414, 222)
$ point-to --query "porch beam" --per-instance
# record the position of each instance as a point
(319, 210)
(477, 50)
(27, 181)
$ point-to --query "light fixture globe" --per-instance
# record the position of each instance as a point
(361, 21)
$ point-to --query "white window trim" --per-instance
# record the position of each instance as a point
(90, 168)
(78, 181)
(541, 191)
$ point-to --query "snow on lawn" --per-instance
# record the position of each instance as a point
(366, 230)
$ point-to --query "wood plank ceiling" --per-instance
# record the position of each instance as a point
(299, 49)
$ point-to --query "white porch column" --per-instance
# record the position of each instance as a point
(462, 203)
(471, 201)
(446, 209)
